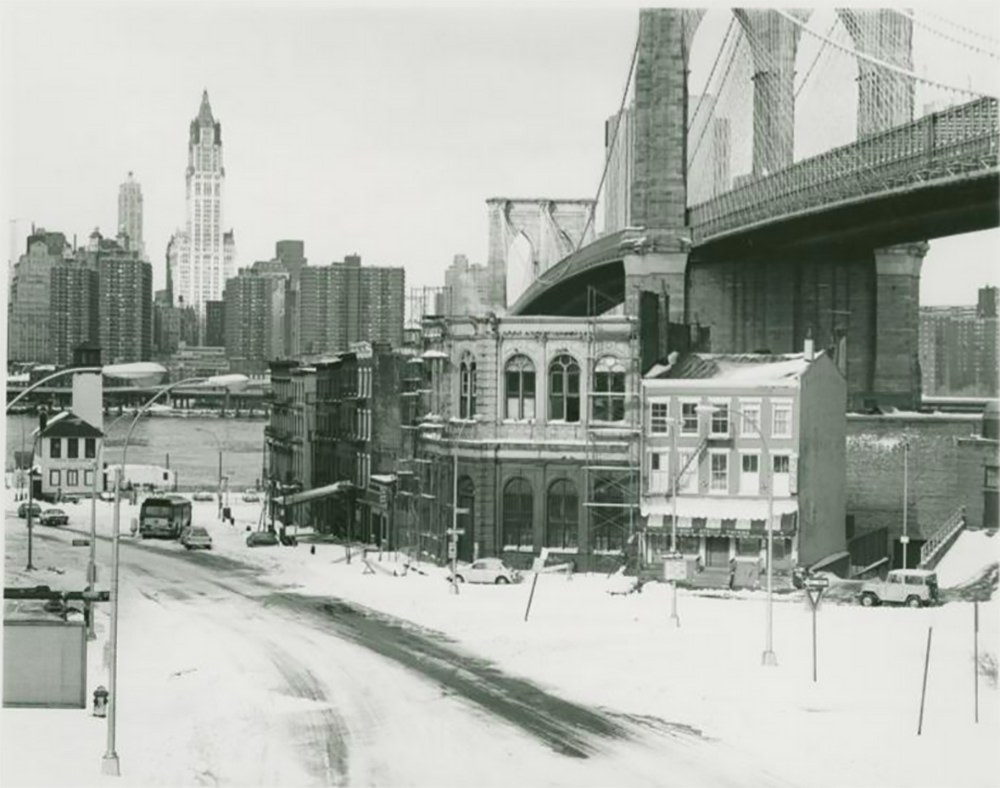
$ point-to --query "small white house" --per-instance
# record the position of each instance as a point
(69, 454)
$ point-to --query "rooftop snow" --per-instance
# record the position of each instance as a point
(734, 367)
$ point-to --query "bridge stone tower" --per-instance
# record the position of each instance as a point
(658, 194)
(541, 231)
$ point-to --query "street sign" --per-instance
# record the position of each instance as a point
(674, 568)
(81, 542)
(815, 586)
(452, 549)
(455, 532)
(904, 539)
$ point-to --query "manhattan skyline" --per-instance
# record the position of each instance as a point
(378, 131)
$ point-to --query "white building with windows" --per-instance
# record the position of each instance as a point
(201, 257)
(69, 452)
(733, 440)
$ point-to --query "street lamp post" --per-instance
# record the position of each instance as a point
(768, 658)
(675, 468)
(131, 371)
(218, 444)
(110, 765)
(455, 511)
(905, 539)
(31, 490)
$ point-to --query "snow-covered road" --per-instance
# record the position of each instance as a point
(226, 678)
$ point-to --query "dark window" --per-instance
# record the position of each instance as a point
(55, 448)
(89, 448)
(990, 480)
(517, 514)
(689, 418)
(520, 388)
(609, 391)
(72, 478)
(564, 389)
(561, 515)
(467, 394)
(72, 448)
(689, 545)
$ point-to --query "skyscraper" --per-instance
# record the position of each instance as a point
(29, 308)
(74, 299)
(344, 303)
(126, 301)
(202, 256)
(130, 214)
(254, 315)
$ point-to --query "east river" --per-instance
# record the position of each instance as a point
(190, 446)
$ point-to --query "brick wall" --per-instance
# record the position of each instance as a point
(937, 482)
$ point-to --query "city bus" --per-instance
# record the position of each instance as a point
(164, 517)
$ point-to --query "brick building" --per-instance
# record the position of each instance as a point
(255, 317)
(74, 301)
(126, 300)
(745, 437)
(29, 304)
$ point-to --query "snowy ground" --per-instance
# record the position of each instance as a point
(856, 726)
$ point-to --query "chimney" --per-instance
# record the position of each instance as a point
(43, 418)
(810, 347)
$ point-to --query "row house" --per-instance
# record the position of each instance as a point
(356, 440)
(69, 456)
(289, 433)
(737, 444)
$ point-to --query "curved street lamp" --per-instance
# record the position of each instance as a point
(110, 763)
(137, 371)
(768, 658)
(218, 444)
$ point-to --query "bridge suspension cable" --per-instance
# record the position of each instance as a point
(964, 29)
(619, 117)
(972, 47)
(878, 61)
(705, 93)
(819, 52)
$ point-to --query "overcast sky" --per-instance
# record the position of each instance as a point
(377, 130)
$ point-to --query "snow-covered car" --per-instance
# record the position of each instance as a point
(22, 510)
(250, 495)
(262, 539)
(195, 537)
(910, 587)
(487, 570)
(53, 517)
(203, 495)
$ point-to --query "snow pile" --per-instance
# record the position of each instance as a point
(966, 559)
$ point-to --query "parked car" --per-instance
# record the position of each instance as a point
(36, 510)
(204, 495)
(262, 539)
(250, 495)
(195, 537)
(53, 517)
(910, 587)
(487, 570)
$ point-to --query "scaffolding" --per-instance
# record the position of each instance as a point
(613, 443)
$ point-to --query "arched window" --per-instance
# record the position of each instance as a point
(564, 389)
(610, 518)
(467, 387)
(608, 394)
(519, 376)
(561, 515)
(517, 508)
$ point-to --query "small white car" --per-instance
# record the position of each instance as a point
(910, 587)
(487, 570)
(250, 495)
(195, 537)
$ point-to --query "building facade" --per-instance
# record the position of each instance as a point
(29, 306)
(202, 256)
(74, 307)
(126, 301)
(130, 214)
(255, 317)
(70, 454)
(344, 303)
(215, 323)
(737, 444)
(468, 287)
(959, 348)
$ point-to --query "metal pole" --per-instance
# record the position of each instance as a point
(46, 379)
(906, 466)
(110, 765)
(220, 482)
(923, 691)
(674, 467)
(454, 519)
(975, 652)
(92, 565)
(769, 657)
(814, 641)
(31, 490)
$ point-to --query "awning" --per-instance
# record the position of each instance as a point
(315, 493)
(728, 507)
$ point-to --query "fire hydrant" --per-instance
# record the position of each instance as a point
(100, 702)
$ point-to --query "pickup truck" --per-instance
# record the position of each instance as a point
(910, 587)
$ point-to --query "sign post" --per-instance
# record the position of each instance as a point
(536, 567)
(674, 569)
(453, 534)
(815, 586)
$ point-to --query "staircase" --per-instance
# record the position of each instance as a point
(932, 550)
